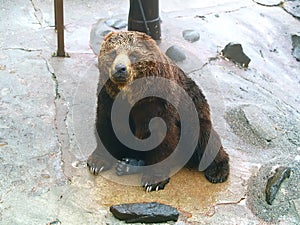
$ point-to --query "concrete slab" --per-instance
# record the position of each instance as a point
(47, 112)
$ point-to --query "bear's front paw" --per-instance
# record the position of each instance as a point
(97, 165)
(154, 183)
(217, 172)
(129, 166)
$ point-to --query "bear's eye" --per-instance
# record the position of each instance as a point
(133, 57)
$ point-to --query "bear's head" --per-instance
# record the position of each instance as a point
(129, 55)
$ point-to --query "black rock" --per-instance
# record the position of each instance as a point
(176, 54)
(191, 35)
(152, 212)
(234, 52)
(296, 46)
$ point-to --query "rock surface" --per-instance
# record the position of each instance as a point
(48, 104)
(152, 212)
(289, 191)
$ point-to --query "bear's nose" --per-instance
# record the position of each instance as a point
(121, 69)
(120, 73)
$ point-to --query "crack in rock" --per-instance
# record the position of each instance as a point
(37, 12)
(22, 49)
(54, 78)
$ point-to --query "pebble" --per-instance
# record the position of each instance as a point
(296, 46)
(234, 52)
(176, 54)
(191, 35)
(152, 212)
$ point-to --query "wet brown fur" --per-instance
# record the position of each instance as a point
(150, 61)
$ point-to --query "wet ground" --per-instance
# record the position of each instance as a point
(47, 112)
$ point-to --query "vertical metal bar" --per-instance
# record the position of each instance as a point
(59, 17)
(144, 17)
(55, 15)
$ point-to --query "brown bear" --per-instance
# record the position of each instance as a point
(129, 56)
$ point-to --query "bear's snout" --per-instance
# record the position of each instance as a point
(121, 69)
(120, 74)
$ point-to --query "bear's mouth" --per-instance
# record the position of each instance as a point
(121, 74)
(119, 78)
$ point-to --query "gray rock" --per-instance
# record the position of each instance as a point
(191, 35)
(269, 2)
(275, 181)
(292, 7)
(176, 54)
(296, 46)
(152, 212)
(116, 23)
(288, 192)
(234, 52)
(252, 125)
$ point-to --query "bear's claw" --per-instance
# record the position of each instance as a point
(97, 165)
(151, 185)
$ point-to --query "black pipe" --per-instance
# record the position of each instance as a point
(144, 17)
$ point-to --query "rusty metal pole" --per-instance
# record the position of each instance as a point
(144, 17)
(59, 25)
(55, 15)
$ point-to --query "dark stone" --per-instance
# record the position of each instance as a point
(176, 54)
(234, 52)
(152, 212)
(191, 35)
(292, 7)
(116, 23)
(296, 46)
(275, 181)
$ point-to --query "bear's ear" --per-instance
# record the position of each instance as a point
(145, 36)
(109, 35)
